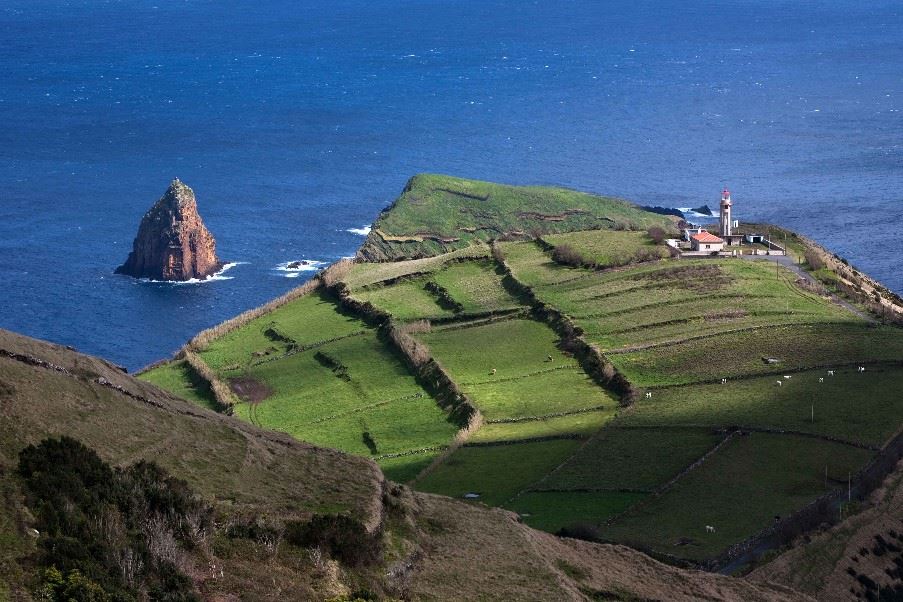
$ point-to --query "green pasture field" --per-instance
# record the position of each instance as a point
(403, 469)
(307, 320)
(580, 425)
(798, 347)
(406, 300)
(176, 377)
(607, 247)
(534, 267)
(738, 491)
(476, 286)
(861, 407)
(553, 510)
(496, 472)
(364, 273)
(514, 348)
(564, 390)
(312, 404)
(633, 459)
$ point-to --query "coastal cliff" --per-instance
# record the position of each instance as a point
(172, 241)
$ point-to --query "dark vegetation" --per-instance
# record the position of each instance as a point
(110, 534)
(342, 537)
(443, 297)
(337, 367)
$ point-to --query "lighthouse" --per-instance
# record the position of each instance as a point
(726, 212)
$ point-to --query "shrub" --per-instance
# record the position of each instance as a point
(584, 531)
(342, 537)
(568, 255)
(814, 260)
(658, 235)
(112, 533)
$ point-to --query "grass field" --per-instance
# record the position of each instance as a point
(552, 510)
(674, 300)
(861, 407)
(607, 247)
(739, 492)
(177, 378)
(797, 347)
(563, 390)
(363, 273)
(307, 320)
(533, 266)
(406, 300)
(633, 459)
(580, 425)
(496, 472)
(377, 396)
(514, 348)
(476, 286)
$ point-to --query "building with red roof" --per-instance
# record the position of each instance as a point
(706, 241)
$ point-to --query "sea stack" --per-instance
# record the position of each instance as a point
(172, 241)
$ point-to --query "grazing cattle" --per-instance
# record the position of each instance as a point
(862, 368)
(780, 383)
(648, 395)
(492, 372)
(787, 376)
(549, 358)
(709, 529)
(830, 373)
(723, 381)
(821, 380)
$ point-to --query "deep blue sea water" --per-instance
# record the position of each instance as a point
(295, 120)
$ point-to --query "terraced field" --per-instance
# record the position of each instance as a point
(651, 461)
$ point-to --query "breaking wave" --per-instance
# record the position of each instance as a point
(360, 231)
(293, 269)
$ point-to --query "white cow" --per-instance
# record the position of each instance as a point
(821, 380)
(648, 395)
(709, 529)
(723, 381)
(780, 383)
(830, 373)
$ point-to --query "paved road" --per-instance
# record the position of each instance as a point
(791, 265)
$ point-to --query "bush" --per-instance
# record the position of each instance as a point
(567, 255)
(814, 260)
(658, 235)
(340, 536)
(112, 533)
(584, 531)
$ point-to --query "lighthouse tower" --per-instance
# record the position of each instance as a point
(726, 212)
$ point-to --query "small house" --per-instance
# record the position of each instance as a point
(706, 241)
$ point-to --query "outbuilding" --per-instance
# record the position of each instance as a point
(706, 241)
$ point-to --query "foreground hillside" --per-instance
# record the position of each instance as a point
(270, 497)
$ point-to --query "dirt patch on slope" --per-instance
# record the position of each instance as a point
(249, 389)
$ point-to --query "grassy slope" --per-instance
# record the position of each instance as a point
(471, 211)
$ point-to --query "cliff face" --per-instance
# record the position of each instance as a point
(172, 241)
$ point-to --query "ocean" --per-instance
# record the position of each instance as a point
(297, 121)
